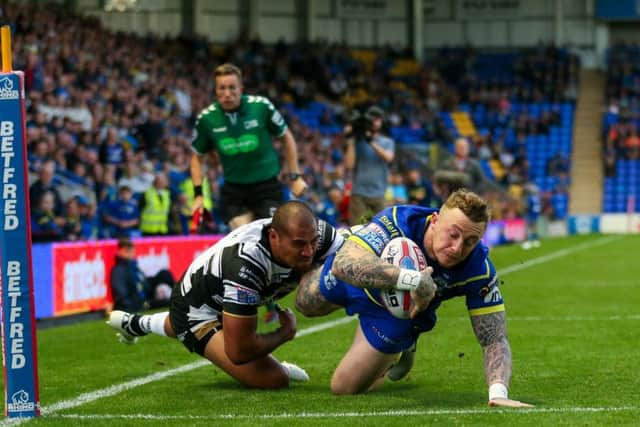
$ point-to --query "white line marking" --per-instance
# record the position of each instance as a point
(299, 415)
(574, 318)
(554, 255)
(115, 389)
(118, 388)
(556, 318)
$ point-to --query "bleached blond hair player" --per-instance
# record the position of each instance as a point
(459, 265)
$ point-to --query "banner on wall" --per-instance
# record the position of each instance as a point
(363, 9)
(584, 224)
(490, 9)
(619, 10)
(505, 231)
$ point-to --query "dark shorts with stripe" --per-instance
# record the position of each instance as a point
(195, 340)
(260, 198)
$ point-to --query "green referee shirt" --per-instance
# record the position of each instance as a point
(243, 138)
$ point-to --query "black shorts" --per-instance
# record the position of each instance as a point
(260, 198)
(194, 335)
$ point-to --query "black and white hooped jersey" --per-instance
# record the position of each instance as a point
(238, 273)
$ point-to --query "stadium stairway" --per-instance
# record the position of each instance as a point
(586, 159)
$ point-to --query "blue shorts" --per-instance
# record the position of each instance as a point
(383, 331)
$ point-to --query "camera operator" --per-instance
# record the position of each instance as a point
(368, 154)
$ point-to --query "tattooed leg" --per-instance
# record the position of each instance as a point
(309, 299)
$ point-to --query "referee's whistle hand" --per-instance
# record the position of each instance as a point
(298, 187)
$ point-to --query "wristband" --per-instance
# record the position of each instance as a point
(408, 280)
(197, 190)
(498, 391)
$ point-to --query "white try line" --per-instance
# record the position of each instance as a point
(555, 255)
(324, 415)
(118, 388)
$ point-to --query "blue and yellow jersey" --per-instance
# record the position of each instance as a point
(475, 278)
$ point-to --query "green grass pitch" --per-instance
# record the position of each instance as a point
(573, 313)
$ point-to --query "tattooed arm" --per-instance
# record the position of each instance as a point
(361, 268)
(491, 331)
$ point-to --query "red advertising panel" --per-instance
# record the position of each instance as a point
(515, 230)
(80, 276)
(81, 271)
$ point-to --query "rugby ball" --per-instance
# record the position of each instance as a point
(404, 253)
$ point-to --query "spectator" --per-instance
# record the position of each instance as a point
(368, 154)
(462, 162)
(328, 208)
(155, 207)
(88, 218)
(122, 216)
(397, 193)
(420, 191)
(112, 152)
(131, 289)
(44, 184)
(72, 227)
(45, 226)
(558, 166)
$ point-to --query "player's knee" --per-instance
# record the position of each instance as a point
(343, 388)
(274, 380)
(303, 306)
(313, 308)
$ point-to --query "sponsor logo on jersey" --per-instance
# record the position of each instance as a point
(330, 281)
(374, 240)
(390, 226)
(382, 336)
(245, 296)
(487, 288)
(277, 119)
(493, 296)
(251, 124)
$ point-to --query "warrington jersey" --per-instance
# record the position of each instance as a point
(475, 278)
(239, 273)
(242, 138)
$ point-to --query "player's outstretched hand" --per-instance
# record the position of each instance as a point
(508, 403)
(424, 293)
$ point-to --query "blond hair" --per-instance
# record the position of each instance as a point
(227, 69)
(472, 205)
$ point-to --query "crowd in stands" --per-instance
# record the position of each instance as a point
(621, 124)
(110, 120)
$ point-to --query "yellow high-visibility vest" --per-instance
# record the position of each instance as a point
(154, 219)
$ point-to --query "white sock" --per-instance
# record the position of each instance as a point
(154, 323)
